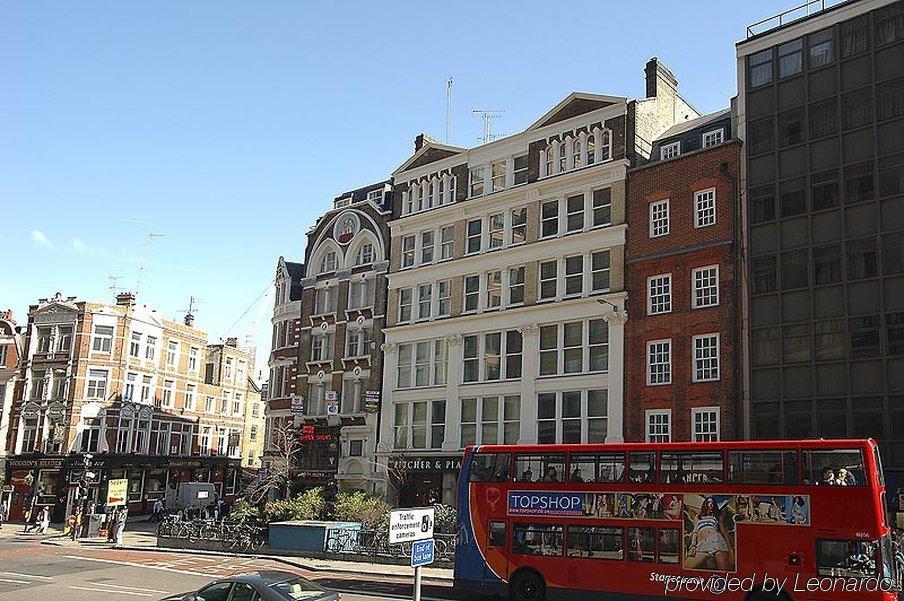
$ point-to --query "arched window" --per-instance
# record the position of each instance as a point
(550, 159)
(605, 145)
(576, 153)
(563, 155)
(365, 254)
(328, 263)
(591, 148)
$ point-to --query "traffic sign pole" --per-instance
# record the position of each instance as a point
(417, 583)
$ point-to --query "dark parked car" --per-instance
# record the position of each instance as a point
(260, 586)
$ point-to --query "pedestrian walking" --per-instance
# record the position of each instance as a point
(45, 520)
(121, 525)
(158, 511)
(111, 524)
(29, 522)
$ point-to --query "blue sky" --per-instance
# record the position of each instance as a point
(229, 126)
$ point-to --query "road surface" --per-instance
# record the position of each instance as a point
(32, 571)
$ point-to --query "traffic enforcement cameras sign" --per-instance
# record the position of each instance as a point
(406, 525)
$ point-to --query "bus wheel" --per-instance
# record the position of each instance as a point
(527, 586)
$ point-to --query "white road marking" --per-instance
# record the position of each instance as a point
(133, 564)
(11, 581)
(128, 588)
(26, 575)
(104, 590)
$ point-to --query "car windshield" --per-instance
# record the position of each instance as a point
(298, 589)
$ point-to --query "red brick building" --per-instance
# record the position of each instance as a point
(681, 262)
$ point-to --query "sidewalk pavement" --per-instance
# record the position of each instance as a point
(142, 536)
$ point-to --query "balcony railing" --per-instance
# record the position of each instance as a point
(802, 11)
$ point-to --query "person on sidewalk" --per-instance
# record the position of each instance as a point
(45, 520)
(121, 524)
(158, 511)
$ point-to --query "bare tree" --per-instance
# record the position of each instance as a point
(280, 453)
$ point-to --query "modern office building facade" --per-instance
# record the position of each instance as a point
(821, 115)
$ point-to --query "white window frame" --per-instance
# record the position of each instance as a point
(659, 218)
(105, 341)
(437, 349)
(585, 418)
(699, 364)
(446, 247)
(92, 381)
(512, 425)
(664, 427)
(477, 180)
(560, 349)
(406, 306)
(659, 294)
(665, 377)
(705, 216)
(697, 277)
(497, 180)
(714, 137)
(327, 266)
(670, 151)
(424, 302)
(409, 255)
(700, 436)
(481, 357)
(360, 295)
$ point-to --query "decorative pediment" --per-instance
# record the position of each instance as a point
(430, 152)
(576, 103)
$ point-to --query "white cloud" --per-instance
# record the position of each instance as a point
(78, 245)
(38, 238)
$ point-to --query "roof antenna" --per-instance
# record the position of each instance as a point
(114, 283)
(189, 318)
(487, 116)
(449, 111)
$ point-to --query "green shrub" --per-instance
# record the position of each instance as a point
(243, 512)
(307, 505)
(356, 506)
(445, 517)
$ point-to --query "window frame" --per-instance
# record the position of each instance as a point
(665, 427)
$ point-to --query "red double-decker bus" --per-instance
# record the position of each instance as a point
(753, 521)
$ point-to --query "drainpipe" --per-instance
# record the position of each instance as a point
(737, 255)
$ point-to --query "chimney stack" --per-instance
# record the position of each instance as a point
(125, 299)
(232, 341)
(655, 74)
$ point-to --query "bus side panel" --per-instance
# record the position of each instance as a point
(470, 551)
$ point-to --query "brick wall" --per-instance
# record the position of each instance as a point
(683, 249)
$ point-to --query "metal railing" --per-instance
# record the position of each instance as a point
(806, 9)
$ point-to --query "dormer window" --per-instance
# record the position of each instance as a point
(712, 138)
(375, 195)
(576, 153)
(550, 160)
(563, 156)
(342, 202)
(591, 149)
(669, 151)
(365, 254)
(329, 262)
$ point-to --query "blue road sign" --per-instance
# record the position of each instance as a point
(422, 553)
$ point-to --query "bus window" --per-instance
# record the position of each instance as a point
(846, 558)
(762, 467)
(669, 541)
(595, 542)
(641, 544)
(879, 470)
(605, 467)
(540, 468)
(691, 467)
(834, 467)
(642, 467)
(490, 467)
(537, 539)
(497, 535)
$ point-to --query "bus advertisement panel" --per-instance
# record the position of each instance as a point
(747, 520)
